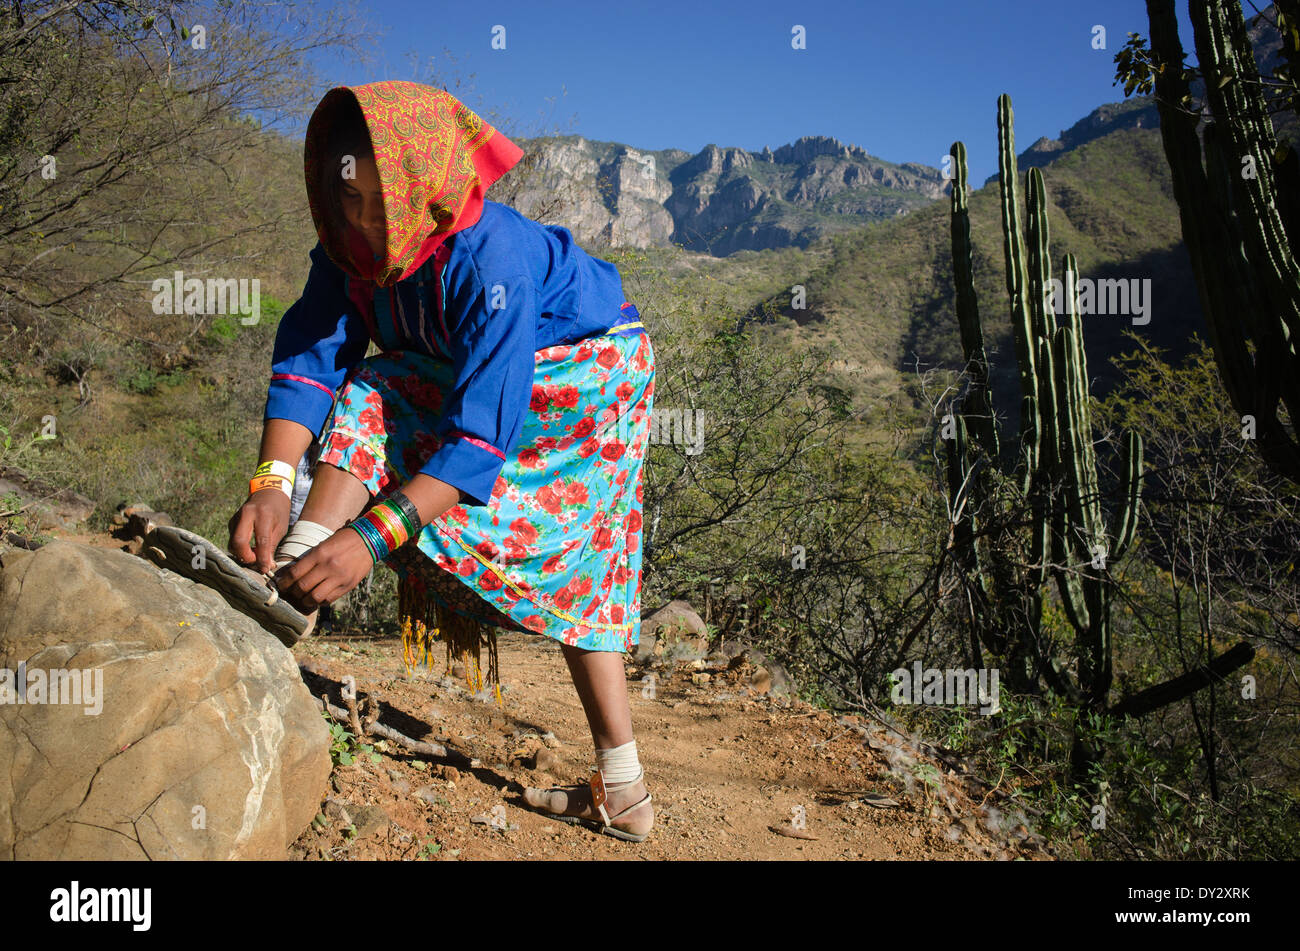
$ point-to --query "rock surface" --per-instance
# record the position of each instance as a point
(207, 745)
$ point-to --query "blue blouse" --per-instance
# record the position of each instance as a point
(493, 295)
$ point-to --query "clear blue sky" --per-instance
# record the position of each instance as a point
(901, 79)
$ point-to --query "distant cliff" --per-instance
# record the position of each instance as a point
(720, 200)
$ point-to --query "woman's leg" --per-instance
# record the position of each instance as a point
(602, 687)
(336, 497)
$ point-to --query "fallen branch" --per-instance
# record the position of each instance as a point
(370, 725)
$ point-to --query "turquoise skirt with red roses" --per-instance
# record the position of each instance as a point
(557, 549)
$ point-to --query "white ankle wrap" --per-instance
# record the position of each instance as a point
(620, 763)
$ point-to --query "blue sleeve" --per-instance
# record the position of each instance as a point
(493, 347)
(319, 339)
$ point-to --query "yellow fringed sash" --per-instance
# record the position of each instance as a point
(423, 618)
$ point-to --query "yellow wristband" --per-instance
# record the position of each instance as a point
(276, 467)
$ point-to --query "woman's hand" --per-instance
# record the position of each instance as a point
(266, 515)
(326, 573)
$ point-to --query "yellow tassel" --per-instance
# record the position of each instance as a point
(423, 618)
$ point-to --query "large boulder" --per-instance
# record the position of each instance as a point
(43, 506)
(205, 745)
(675, 631)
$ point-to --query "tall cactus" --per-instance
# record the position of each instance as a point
(1240, 212)
(1055, 472)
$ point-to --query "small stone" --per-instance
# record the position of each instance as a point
(369, 820)
(700, 678)
(550, 740)
(545, 760)
(458, 671)
(338, 811)
(761, 680)
(450, 773)
(401, 787)
(548, 830)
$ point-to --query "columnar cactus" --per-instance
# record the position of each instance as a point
(1240, 214)
(1055, 473)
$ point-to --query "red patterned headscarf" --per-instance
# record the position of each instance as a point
(436, 159)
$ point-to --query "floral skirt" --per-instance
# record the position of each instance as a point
(557, 549)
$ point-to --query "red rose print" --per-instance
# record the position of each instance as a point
(607, 357)
(639, 492)
(499, 487)
(602, 539)
(534, 622)
(362, 464)
(546, 442)
(525, 529)
(553, 564)
(588, 447)
(564, 599)
(488, 581)
(467, 566)
(584, 352)
(613, 450)
(486, 549)
(541, 400)
(616, 613)
(624, 391)
(575, 493)
(581, 586)
(549, 499)
(567, 397)
(532, 459)
(632, 520)
(586, 426)
(371, 421)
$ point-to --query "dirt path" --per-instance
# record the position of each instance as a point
(727, 766)
(724, 765)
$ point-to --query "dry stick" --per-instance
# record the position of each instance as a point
(373, 726)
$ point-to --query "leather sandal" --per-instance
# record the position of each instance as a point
(605, 824)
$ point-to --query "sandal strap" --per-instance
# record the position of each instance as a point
(609, 820)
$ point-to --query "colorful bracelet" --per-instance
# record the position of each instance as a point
(412, 513)
(384, 528)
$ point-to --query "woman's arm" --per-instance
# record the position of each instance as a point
(431, 497)
(266, 512)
